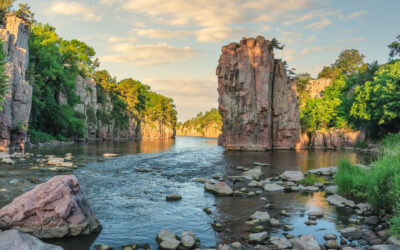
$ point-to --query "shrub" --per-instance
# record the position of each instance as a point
(311, 180)
(60, 137)
(395, 225)
(361, 144)
(36, 136)
(352, 181)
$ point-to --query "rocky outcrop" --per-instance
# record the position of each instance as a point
(156, 130)
(332, 139)
(15, 240)
(210, 131)
(316, 87)
(14, 116)
(53, 209)
(257, 101)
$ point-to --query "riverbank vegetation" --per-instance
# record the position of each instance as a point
(197, 126)
(380, 184)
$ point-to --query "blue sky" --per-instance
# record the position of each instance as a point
(174, 45)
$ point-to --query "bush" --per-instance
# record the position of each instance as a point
(36, 136)
(352, 181)
(60, 137)
(395, 225)
(361, 144)
(311, 180)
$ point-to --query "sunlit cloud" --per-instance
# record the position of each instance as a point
(159, 33)
(352, 40)
(122, 39)
(319, 24)
(293, 19)
(148, 55)
(311, 38)
(356, 14)
(289, 37)
(318, 49)
(73, 9)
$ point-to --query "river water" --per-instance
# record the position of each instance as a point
(127, 193)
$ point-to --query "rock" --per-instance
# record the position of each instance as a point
(280, 242)
(220, 188)
(15, 240)
(103, 247)
(173, 197)
(188, 239)
(130, 247)
(16, 107)
(310, 189)
(351, 233)
(323, 171)
(218, 227)
(371, 220)
(262, 164)
(110, 155)
(339, 201)
(292, 176)
(330, 237)
(274, 222)
(383, 234)
(287, 227)
(261, 216)
(55, 161)
(310, 222)
(306, 242)
(258, 237)
(384, 247)
(254, 173)
(370, 237)
(202, 180)
(393, 240)
(257, 101)
(256, 229)
(273, 187)
(167, 240)
(331, 244)
(207, 210)
(53, 209)
(236, 245)
(284, 213)
(316, 87)
(332, 189)
(317, 213)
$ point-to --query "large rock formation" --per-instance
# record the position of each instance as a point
(210, 131)
(315, 88)
(15, 240)
(53, 209)
(14, 117)
(257, 101)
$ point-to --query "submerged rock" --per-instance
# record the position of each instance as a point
(351, 233)
(53, 209)
(189, 240)
(167, 240)
(173, 197)
(15, 240)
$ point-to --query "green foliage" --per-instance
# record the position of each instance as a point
(3, 76)
(277, 45)
(309, 180)
(349, 61)
(377, 102)
(395, 223)
(91, 116)
(60, 137)
(24, 12)
(5, 7)
(361, 144)
(36, 136)
(352, 181)
(329, 72)
(394, 48)
(201, 121)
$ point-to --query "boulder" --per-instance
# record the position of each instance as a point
(188, 239)
(258, 237)
(280, 242)
(323, 171)
(53, 209)
(351, 233)
(292, 176)
(384, 247)
(261, 216)
(167, 240)
(332, 189)
(272, 187)
(173, 197)
(110, 155)
(306, 242)
(340, 201)
(393, 240)
(15, 240)
(220, 188)
(371, 220)
(253, 174)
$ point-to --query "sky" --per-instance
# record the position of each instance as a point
(174, 45)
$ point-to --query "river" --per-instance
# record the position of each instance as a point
(127, 193)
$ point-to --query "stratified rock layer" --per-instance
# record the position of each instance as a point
(257, 101)
(14, 117)
(53, 209)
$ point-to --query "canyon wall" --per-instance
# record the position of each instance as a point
(16, 108)
(331, 139)
(212, 130)
(257, 101)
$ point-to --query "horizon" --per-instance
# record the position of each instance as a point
(174, 47)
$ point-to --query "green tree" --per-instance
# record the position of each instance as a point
(349, 61)
(5, 7)
(24, 12)
(329, 72)
(3, 76)
(394, 48)
(277, 45)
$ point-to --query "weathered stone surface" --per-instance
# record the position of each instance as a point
(273, 187)
(292, 175)
(188, 239)
(53, 209)
(351, 233)
(323, 171)
(14, 117)
(257, 101)
(254, 173)
(339, 201)
(15, 240)
(261, 216)
(315, 87)
(393, 240)
(220, 188)
(211, 130)
(333, 138)
(306, 242)
(167, 240)
(332, 189)
(258, 237)
(280, 242)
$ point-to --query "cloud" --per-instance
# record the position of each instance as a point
(216, 12)
(74, 9)
(311, 38)
(356, 14)
(289, 37)
(352, 40)
(148, 55)
(266, 27)
(121, 39)
(319, 24)
(217, 34)
(159, 33)
(308, 17)
(286, 54)
(190, 95)
(318, 49)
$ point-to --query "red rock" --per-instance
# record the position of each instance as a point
(54, 209)
(257, 101)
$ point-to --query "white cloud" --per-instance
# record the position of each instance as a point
(148, 55)
(286, 54)
(74, 9)
(319, 24)
(311, 38)
(318, 49)
(308, 16)
(217, 34)
(352, 40)
(121, 39)
(289, 37)
(159, 33)
(216, 12)
(266, 27)
(190, 95)
(356, 14)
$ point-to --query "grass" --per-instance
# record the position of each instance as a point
(311, 180)
(36, 136)
(380, 185)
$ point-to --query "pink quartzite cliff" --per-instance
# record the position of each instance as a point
(257, 100)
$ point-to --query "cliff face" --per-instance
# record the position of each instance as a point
(209, 131)
(316, 87)
(14, 117)
(100, 123)
(332, 139)
(254, 95)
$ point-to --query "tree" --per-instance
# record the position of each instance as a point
(394, 48)
(5, 7)
(302, 81)
(349, 61)
(24, 12)
(277, 45)
(329, 72)
(3, 77)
